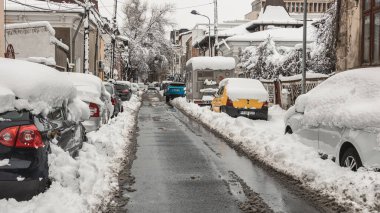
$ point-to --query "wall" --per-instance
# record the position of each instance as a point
(2, 40)
(31, 42)
(349, 36)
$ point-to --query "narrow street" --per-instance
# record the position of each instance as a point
(182, 167)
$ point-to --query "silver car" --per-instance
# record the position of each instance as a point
(351, 142)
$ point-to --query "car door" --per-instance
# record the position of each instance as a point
(217, 102)
(309, 136)
(329, 139)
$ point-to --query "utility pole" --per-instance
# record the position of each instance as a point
(113, 41)
(304, 47)
(216, 27)
(87, 6)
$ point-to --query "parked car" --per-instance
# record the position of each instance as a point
(175, 90)
(28, 131)
(340, 119)
(115, 99)
(91, 90)
(142, 87)
(241, 97)
(123, 90)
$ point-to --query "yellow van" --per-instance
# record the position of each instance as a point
(241, 97)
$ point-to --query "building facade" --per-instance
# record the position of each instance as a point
(292, 6)
(358, 39)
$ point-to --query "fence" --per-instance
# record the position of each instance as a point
(285, 90)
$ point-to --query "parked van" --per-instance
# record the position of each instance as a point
(241, 97)
(205, 73)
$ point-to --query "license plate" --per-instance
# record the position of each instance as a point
(247, 113)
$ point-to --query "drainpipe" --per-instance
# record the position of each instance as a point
(73, 39)
(96, 52)
(337, 29)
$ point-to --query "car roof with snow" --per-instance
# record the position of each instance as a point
(32, 86)
(243, 88)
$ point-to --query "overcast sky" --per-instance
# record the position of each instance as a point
(228, 10)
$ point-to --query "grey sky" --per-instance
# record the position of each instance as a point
(228, 10)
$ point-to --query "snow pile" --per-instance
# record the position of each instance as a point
(37, 87)
(211, 63)
(209, 82)
(353, 104)
(266, 142)
(85, 183)
(243, 88)
(50, 61)
(89, 87)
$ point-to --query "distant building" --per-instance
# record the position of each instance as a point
(95, 2)
(358, 43)
(294, 7)
(174, 35)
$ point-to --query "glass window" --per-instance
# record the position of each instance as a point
(367, 4)
(376, 42)
(315, 8)
(367, 40)
(377, 2)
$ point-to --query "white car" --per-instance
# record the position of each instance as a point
(341, 118)
(91, 90)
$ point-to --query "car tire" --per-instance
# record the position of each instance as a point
(351, 159)
(167, 99)
(223, 109)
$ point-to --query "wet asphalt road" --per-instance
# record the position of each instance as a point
(182, 167)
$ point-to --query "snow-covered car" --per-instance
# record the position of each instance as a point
(208, 95)
(91, 90)
(123, 90)
(38, 107)
(142, 87)
(135, 88)
(115, 99)
(341, 118)
(241, 97)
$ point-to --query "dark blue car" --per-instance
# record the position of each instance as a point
(175, 90)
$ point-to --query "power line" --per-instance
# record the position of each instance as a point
(200, 5)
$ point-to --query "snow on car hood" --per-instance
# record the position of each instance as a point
(349, 99)
(31, 86)
(243, 88)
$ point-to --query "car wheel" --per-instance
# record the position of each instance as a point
(288, 130)
(167, 99)
(223, 110)
(351, 159)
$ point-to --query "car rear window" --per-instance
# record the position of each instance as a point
(109, 89)
(121, 87)
(177, 84)
(14, 116)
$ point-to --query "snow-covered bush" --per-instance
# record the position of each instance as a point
(269, 61)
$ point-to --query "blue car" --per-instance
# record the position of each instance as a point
(175, 90)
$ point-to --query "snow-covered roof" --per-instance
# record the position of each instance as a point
(241, 29)
(50, 61)
(309, 75)
(37, 87)
(274, 15)
(212, 63)
(348, 99)
(277, 34)
(35, 24)
(244, 88)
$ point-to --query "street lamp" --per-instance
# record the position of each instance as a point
(194, 12)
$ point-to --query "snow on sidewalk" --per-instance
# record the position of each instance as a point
(84, 183)
(265, 140)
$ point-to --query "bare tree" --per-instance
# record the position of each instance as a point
(148, 50)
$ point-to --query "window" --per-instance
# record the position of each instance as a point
(371, 32)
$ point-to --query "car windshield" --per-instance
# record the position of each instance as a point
(177, 84)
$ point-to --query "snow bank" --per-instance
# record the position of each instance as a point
(83, 184)
(243, 88)
(265, 140)
(353, 103)
(212, 63)
(37, 87)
